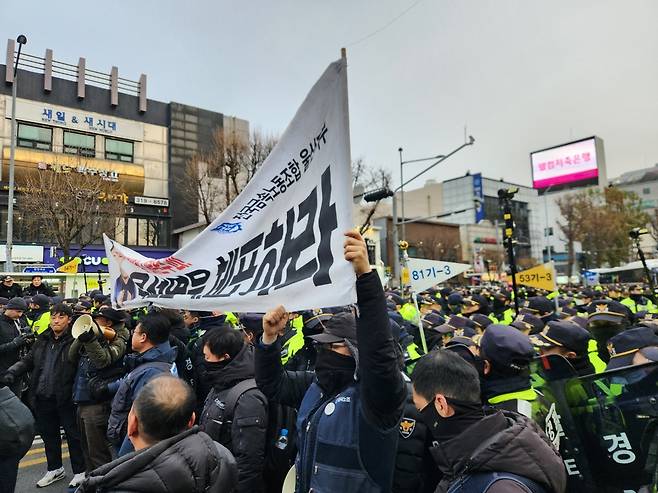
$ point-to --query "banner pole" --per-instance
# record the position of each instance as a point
(405, 258)
(557, 295)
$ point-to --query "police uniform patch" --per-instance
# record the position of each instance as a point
(407, 427)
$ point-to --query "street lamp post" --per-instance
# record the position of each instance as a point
(440, 158)
(12, 150)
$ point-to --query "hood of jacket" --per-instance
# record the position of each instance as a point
(161, 352)
(501, 442)
(188, 462)
(238, 369)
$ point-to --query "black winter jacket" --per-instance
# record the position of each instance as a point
(414, 468)
(16, 425)
(189, 462)
(501, 442)
(9, 352)
(245, 437)
(34, 361)
(32, 290)
(15, 291)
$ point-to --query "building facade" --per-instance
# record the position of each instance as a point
(74, 119)
(454, 202)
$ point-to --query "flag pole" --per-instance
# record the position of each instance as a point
(405, 259)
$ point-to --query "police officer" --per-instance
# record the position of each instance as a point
(568, 340)
(502, 313)
(636, 301)
(606, 318)
(507, 355)
(541, 307)
(528, 323)
(625, 346)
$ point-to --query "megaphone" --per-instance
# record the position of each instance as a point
(83, 324)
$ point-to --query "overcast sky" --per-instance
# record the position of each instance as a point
(522, 75)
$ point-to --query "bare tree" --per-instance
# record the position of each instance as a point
(73, 208)
(440, 247)
(571, 209)
(214, 178)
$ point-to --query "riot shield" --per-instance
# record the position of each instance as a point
(605, 425)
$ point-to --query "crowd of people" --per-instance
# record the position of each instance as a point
(380, 396)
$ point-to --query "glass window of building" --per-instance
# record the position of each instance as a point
(646, 191)
(80, 144)
(34, 137)
(119, 150)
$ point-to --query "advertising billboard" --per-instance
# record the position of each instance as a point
(576, 163)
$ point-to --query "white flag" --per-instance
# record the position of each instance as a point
(280, 241)
(425, 273)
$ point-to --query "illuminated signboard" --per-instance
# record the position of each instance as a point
(563, 166)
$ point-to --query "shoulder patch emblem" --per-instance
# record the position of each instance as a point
(407, 427)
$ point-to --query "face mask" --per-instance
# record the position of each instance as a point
(636, 297)
(334, 371)
(214, 367)
(443, 429)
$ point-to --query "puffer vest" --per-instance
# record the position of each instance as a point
(330, 458)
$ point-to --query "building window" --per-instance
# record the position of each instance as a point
(80, 144)
(119, 150)
(34, 137)
(646, 191)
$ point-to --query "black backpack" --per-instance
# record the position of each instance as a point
(218, 419)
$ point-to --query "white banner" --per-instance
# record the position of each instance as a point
(425, 273)
(280, 241)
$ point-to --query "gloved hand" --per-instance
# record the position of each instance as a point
(23, 339)
(8, 378)
(99, 389)
(88, 336)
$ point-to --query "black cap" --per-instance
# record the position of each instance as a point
(395, 298)
(608, 311)
(455, 323)
(564, 334)
(506, 347)
(82, 306)
(481, 321)
(339, 327)
(16, 304)
(41, 300)
(539, 305)
(455, 299)
(110, 314)
(480, 300)
(314, 321)
(623, 346)
(567, 311)
(433, 320)
(3, 301)
(528, 321)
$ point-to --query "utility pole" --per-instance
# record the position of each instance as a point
(12, 151)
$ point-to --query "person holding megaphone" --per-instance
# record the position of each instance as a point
(100, 343)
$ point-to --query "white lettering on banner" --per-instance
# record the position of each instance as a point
(424, 273)
(32, 111)
(279, 242)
